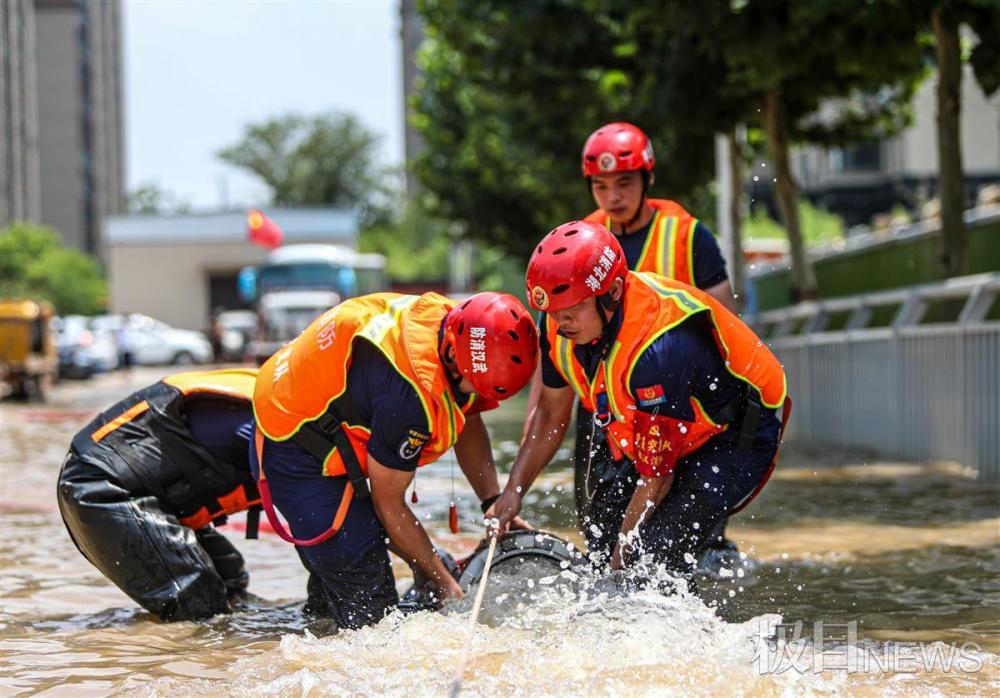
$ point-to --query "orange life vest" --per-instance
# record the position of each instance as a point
(299, 383)
(669, 247)
(126, 424)
(652, 305)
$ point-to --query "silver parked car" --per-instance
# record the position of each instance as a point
(84, 349)
(153, 342)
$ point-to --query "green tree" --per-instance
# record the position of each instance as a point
(818, 225)
(151, 198)
(944, 20)
(828, 72)
(326, 160)
(505, 103)
(415, 245)
(34, 264)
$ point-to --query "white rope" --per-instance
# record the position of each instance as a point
(474, 617)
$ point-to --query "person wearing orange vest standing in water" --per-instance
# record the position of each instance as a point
(346, 412)
(685, 393)
(147, 481)
(656, 235)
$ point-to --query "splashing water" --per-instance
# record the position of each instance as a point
(908, 552)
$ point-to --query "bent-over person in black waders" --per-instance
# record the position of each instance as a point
(146, 482)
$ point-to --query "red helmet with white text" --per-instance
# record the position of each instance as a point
(495, 342)
(575, 261)
(617, 147)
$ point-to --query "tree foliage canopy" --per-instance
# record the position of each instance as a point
(326, 160)
(34, 264)
(151, 198)
(504, 105)
(509, 92)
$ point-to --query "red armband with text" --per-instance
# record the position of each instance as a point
(658, 444)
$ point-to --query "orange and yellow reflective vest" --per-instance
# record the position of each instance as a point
(157, 455)
(669, 247)
(652, 305)
(299, 383)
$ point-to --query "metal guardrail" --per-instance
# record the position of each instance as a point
(921, 391)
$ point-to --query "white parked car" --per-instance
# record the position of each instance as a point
(84, 349)
(154, 342)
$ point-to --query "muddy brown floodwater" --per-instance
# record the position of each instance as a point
(860, 576)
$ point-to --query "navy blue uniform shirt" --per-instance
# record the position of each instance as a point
(222, 429)
(709, 266)
(684, 361)
(389, 405)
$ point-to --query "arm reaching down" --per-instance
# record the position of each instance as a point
(475, 458)
(546, 428)
(405, 533)
(647, 496)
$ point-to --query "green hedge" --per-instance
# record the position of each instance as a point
(884, 265)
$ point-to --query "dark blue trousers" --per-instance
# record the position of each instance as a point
(350, 577)
(708, 485)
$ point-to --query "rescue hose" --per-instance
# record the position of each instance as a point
(456, 687)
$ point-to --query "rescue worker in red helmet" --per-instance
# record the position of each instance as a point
(346, 412)
(656, 235)
(147, 481)
(685, 393)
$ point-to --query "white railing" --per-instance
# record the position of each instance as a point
(921, 391)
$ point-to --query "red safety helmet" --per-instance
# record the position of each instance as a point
(617, 147)
(575, 261)
(495, 342)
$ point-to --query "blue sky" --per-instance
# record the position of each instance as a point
(197, 71)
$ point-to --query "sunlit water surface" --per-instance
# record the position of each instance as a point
(907, 555)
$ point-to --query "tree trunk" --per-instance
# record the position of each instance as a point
(786, 191)
(735, 210)
(951, 178)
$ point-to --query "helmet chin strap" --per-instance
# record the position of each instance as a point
(642, 201)
(606, 307)
(447, 354)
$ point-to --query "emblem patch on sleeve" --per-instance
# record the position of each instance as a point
(650, 396)
(409, 447)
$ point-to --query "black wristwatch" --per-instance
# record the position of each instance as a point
(488, 502)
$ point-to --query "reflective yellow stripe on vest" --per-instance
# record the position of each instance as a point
(564, 354)
(377, 327)
(651, 239)
(692, 305)
(375, 332)
(689, 250)
(686, 300)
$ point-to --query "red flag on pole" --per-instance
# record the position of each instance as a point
(263, 231)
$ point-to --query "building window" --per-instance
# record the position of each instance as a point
(866, 157)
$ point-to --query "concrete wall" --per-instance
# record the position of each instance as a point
(170, 282)
(61, 146)
(81, 145)
(19, 183)
(914, 152)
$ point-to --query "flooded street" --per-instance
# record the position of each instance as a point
(892, 566)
